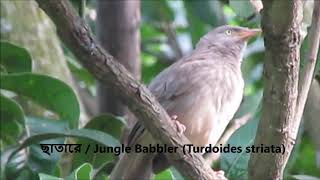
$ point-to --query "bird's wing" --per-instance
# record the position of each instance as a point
(159, 88)
(172, 83)
(178, 80)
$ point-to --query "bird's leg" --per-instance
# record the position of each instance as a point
(180, 127)
(219, 174)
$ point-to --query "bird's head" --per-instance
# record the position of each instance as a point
(228, 38)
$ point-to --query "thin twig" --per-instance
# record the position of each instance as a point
(170, 30)
(172, 40)
(162, 57)
(311, 61)
(232, 128)
(82, 7)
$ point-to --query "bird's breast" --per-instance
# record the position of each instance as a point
(207, 109)
(204, 94)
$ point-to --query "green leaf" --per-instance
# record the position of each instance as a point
(304, 177)
(198, 28)
(7, 167)
(176, 174)
(207, 11)
(242, 8)
(35, 126)
(81, 73)
(304, 157)
(43, 176)
(105, 123)
(37, 160)
(11, 119)
(47, 91)
(150, 67)
(156, 11)
(149, 32)
(167, 175)
(97, 136)
(103, 171)
(82, 172)
(52, 132)
(14, 59)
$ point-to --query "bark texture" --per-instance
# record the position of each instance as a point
(118, 32)
(76, 35)
(281, 24)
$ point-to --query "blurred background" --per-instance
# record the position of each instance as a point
(45, 90)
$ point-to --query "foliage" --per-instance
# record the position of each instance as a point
(15, 58)
(20, 130)
(30, 131)
(23, 132)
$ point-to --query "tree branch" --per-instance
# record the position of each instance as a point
(309, 67)
(76, 35)
(162, 57)
(168, 29)
(281, 75)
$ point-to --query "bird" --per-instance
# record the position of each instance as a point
(201, 92)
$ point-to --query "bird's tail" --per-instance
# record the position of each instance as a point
(133, 166)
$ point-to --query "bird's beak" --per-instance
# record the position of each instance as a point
(248, 33)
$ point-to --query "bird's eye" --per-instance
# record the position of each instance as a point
(228, 32)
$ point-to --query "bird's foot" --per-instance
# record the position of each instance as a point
(180, 127)
(219, 174)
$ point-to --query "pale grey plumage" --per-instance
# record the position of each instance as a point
(204, 94)
(203, 89)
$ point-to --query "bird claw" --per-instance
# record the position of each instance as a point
(219, 174)
(180, 127)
